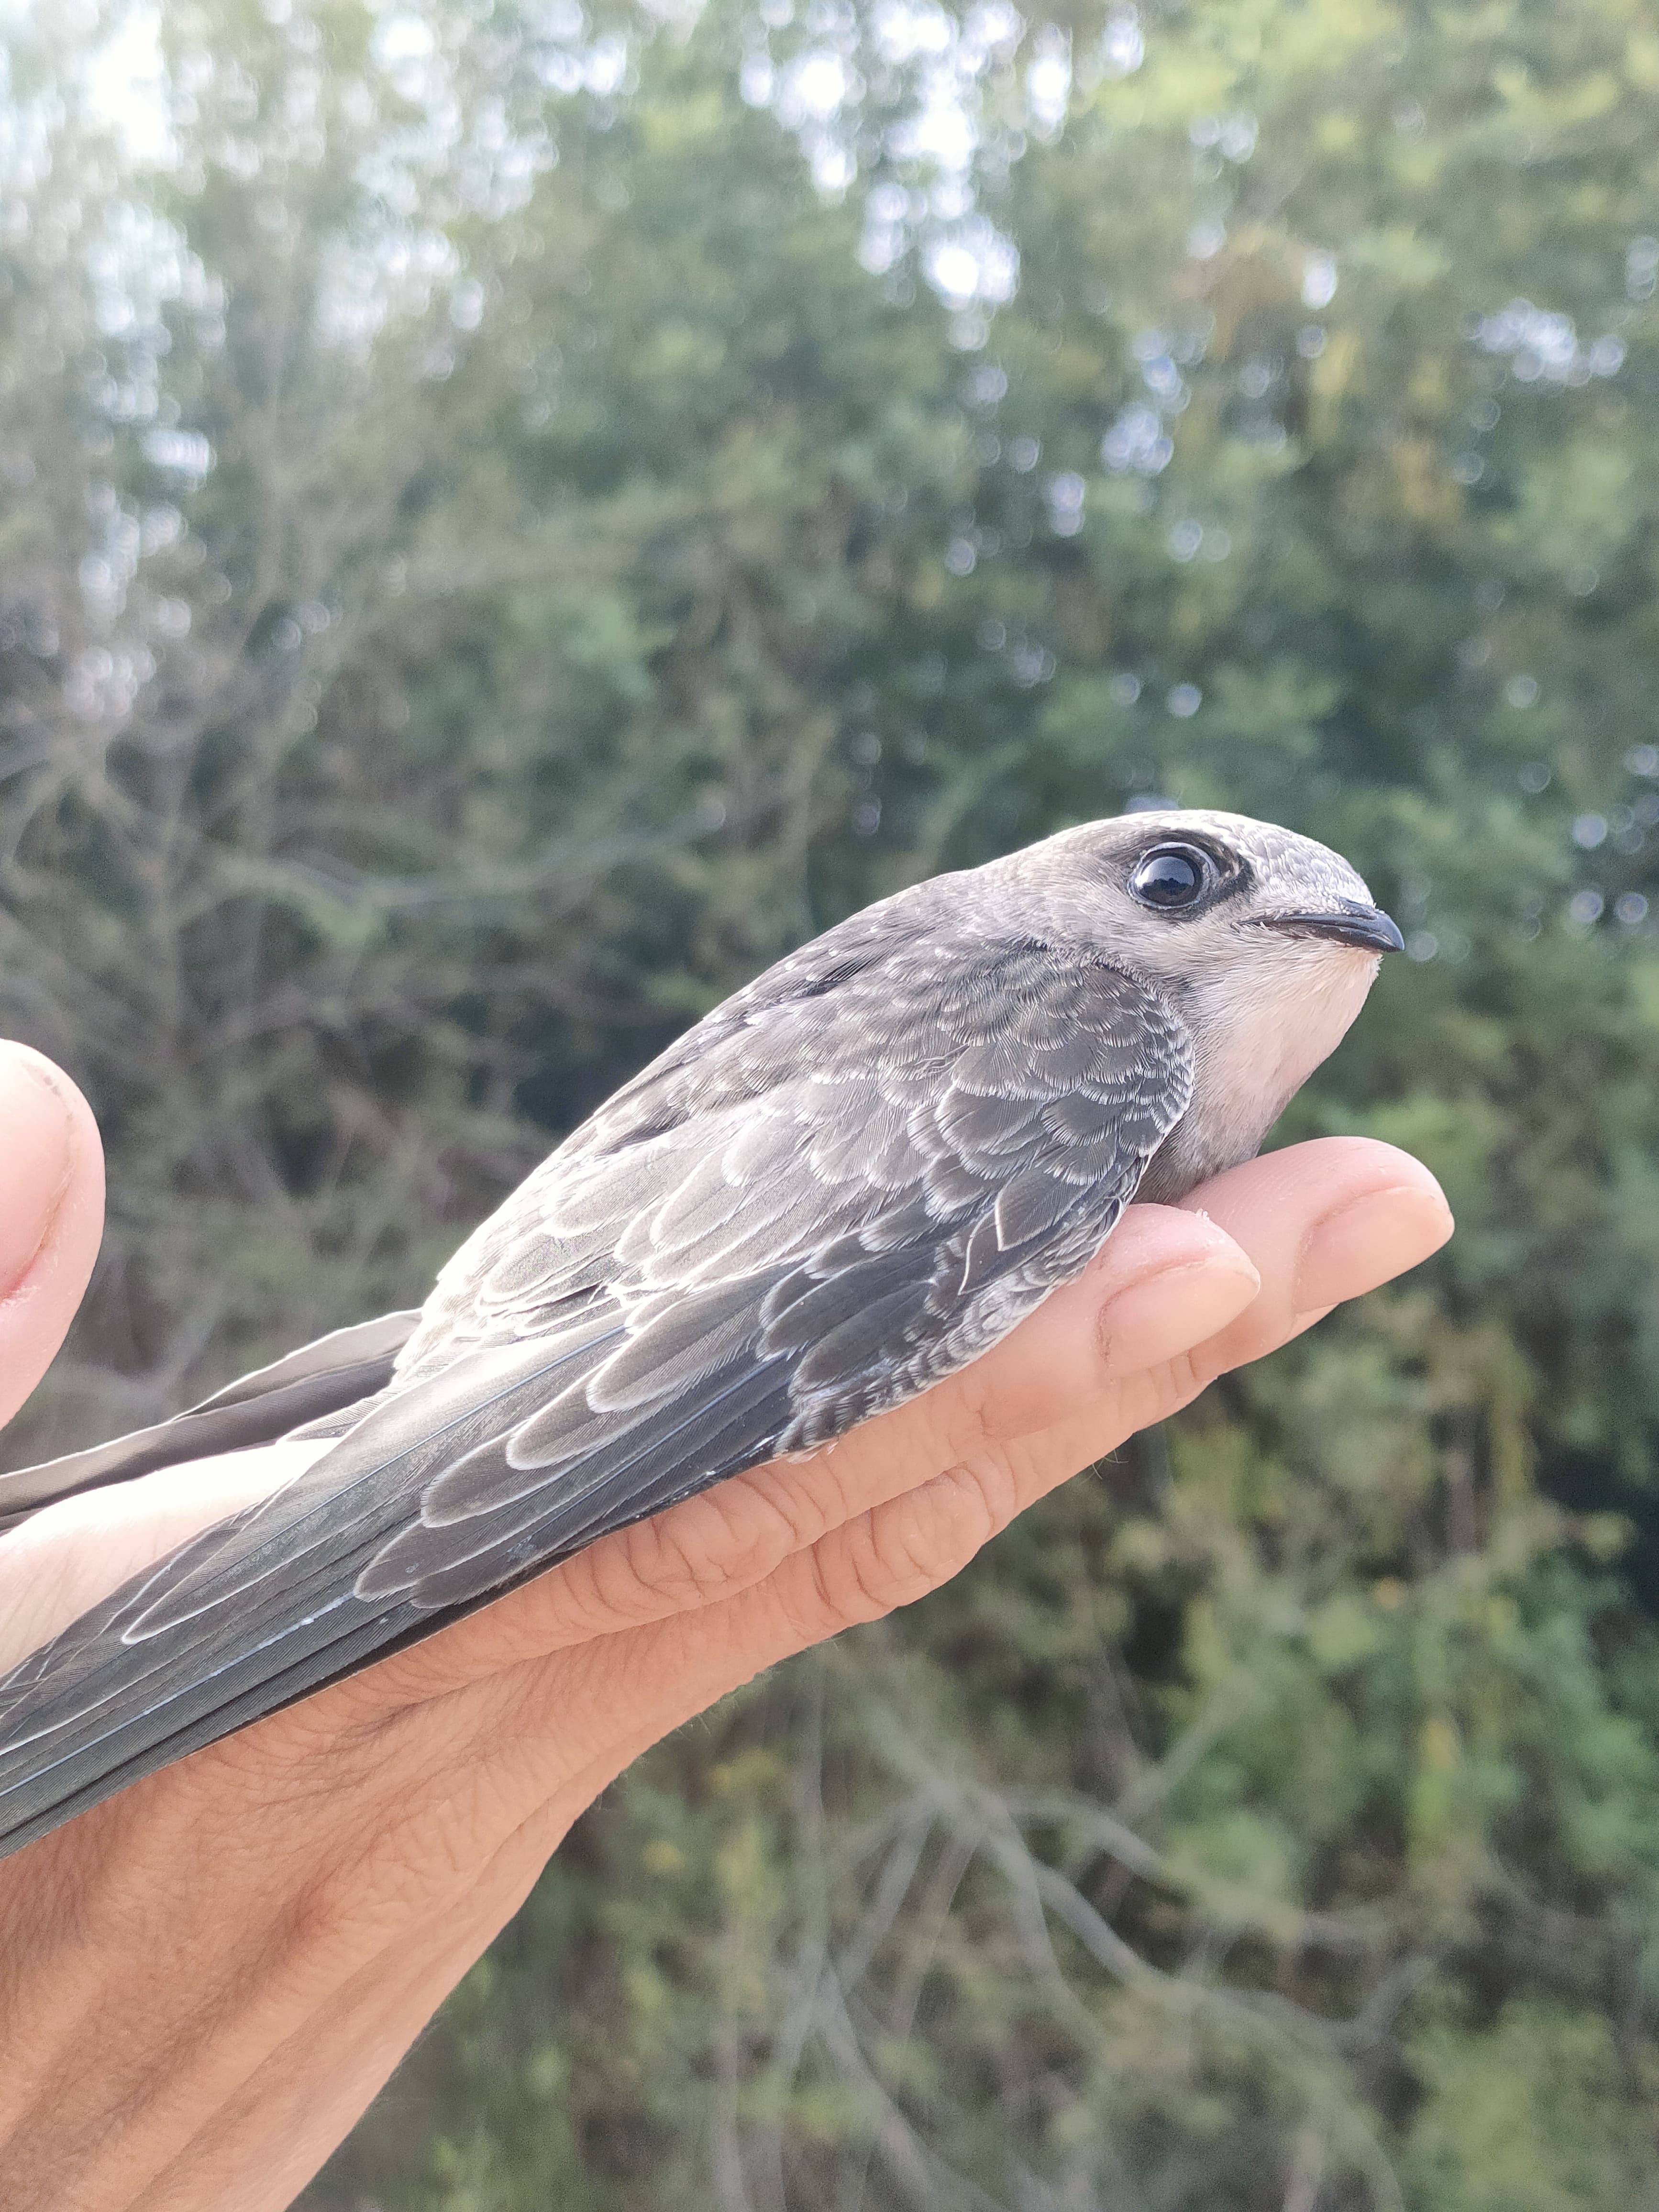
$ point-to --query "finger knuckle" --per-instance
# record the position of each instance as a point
(694, 1554)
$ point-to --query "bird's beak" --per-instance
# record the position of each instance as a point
(1367, 928)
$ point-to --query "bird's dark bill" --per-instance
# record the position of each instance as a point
(1367, 928)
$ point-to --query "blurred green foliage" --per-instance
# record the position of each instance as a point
(513, 517)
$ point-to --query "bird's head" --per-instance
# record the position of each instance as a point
(1188, 894)
(1266, 943)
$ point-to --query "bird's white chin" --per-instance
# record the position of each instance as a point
(1258, 1037)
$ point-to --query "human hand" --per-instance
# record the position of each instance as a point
(207, 1978)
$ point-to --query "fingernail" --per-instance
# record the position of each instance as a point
(1171, 1312)
(1363, 1244)
(37, 1147)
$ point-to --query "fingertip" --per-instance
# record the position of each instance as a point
(1374, 1236)
(1169, 1312)
(1178, 1277)
(1370, 1164)
(36, 1160)
(51, 1210)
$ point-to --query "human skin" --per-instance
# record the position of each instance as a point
(204, 1981)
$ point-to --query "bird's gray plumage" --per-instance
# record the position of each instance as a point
(845, 1183)
(337, 1371)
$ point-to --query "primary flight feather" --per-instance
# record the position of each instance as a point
(846, 1183)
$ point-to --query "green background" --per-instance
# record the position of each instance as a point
(510, 519)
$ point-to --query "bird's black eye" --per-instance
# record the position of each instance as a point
(1171, 876)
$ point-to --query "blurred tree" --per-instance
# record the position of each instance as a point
(514, 516)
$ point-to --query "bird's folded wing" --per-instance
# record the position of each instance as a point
(322, 1378)
(847, 1191)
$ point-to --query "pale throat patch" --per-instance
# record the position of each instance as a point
(1262, 1028)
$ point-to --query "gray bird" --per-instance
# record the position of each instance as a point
(847, 1182)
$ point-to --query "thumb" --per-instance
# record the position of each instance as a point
(51, 1214)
